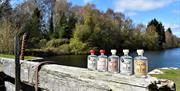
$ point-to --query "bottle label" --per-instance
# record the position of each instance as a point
(140, 67)
(101, 64)
(113, 65)
(126, 65)
(92, 63)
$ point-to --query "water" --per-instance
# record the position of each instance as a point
(157, 59)
(167, 58)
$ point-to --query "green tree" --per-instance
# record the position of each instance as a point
(171, 40)
(151, 38)
(169, 30)
(159, 29)
(63, 20)
(7, 34)
(5, 10)
(32, 28)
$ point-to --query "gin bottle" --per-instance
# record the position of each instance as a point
(140, 64)
(92, 60)
(102, 61)
(126, 62)
(113, 62)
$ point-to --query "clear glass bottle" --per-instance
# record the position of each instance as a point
(92, 60)
(102, 61)
(140, 64)
(113, 62)
(126, 63)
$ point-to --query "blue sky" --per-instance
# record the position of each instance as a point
(142, 11)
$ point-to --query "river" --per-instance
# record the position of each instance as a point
(157, 59)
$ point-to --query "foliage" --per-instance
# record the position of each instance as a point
(57, 42)
(151, 38)
(82, 32)
(63, 20)
(78, 47)
(5, 9)
(32, 28)
(171, 40)
(169, 30)
(7, 34)
(42, 43)
(159, 28)
(55, 26)
(64, 49)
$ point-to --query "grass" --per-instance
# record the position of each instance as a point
(171, 74)
(12, 56)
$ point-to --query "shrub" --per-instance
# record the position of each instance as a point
(64, 49)
(78, 47)
(39, 52)
(42, 43)
(56, 42)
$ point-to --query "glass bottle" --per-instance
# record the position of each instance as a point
(113, 62)
(92, 60)
(126, 63)
(140, 64)
(102, 61)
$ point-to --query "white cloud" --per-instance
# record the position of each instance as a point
(176, 32)
(131, 13)
(174, 27)
(87, 1)
(140, 5)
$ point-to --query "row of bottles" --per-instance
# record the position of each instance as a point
(124, 65)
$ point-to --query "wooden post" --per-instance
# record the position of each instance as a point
(23, 46)
(17, 64)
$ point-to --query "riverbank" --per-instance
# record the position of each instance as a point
(29, 58)
(171, 74)
(13, 56)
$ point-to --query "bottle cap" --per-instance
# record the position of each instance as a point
(113, 51)
(140, 51)
(102, 51)
(125, 51)
(92, 51)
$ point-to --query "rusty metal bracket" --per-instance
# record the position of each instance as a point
(38, 67)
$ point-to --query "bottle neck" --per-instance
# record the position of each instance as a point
(102, 53)
(125, 54)
(92, 53)
(140, 55)
(113, 54)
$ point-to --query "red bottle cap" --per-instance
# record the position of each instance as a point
(102, 51)
(92, 51)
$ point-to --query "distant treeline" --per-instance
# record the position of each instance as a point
(58, 27)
